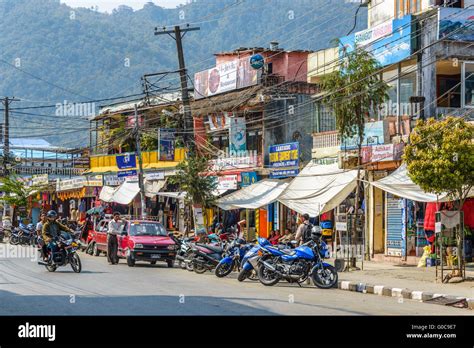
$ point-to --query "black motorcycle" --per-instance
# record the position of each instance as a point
(205, 257)
(23, 235)
(65, 254)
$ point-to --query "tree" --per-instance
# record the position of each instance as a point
(16, 193)
(440, 159)
(190, 179)
(354, 92)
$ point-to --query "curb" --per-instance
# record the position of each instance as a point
(381, 290)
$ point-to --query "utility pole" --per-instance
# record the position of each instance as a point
(177, 34)
(6, 143)
(138, 154)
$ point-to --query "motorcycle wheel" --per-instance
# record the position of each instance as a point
(267, 277)
(95, 250)
(51, 268)
(253, 275)
(224, 269)
(325, 277)
(199, 269)
(75, 262)
(14, 240)
(244, 274)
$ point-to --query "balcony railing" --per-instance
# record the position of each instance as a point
(326, 139)
(48, 170)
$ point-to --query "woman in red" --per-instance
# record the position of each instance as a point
(274, 237)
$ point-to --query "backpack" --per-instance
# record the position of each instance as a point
(307, 232)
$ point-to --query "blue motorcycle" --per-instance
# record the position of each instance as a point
(250, 260)
(234, 253)
(296, 266)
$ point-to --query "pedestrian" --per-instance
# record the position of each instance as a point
(115, 228)
(39, 231)
(302, 230)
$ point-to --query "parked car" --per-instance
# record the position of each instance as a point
(146, 241)
(98, 238)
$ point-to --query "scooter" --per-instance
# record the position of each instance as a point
(205, 257)
(250, 260)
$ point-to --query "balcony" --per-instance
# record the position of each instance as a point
(47, 170)
(108, 163)
(326, 144)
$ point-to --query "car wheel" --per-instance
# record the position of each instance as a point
(130, 261)
(170, 263)
(152, 262)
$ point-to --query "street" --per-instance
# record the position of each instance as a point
(101, 289)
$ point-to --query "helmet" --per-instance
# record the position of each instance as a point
(240, 241)
(52, 214)
(316, 233)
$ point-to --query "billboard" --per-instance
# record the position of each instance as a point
(455, 24)
(388, 42)
(166, 138)
(284, 155)
(375, 133)
(220, 121)
(237, 136)
(225, 77)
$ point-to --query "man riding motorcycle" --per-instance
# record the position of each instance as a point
(51, 231)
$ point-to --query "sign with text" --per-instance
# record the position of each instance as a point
(127, 173)
(237, 135)
(227, 182)
(280, 174)
(249, 160)
(113, 180)
(375, 133)
(248, 178)
(40, 180)
(126, 161)
(166, 138)
(220, 121)
(284, 155)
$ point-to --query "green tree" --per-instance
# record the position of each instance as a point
(354, 92)
(190, 179)
(440, 159)
(16, 193)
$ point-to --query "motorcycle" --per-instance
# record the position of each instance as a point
(234, 253)
(205, 257)
(296, 266)
(66, 253)
(184, 250)
(250, 260)
(23, 235)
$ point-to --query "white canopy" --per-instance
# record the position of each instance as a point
(126, 192)
(400, 184)
(176, 195)
(153, 187)
(254, 196)
(107, 193)
(319, 188)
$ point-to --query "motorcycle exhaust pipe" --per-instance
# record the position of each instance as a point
(42, 263)
(180, 258)
(270, 267)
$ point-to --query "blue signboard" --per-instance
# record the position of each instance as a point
(125, 173)
(455, 24)
(126, 161)
(278, 174)
(375, 133)
(248, 178)
(166, 140)
(284, 155)
(388, 42)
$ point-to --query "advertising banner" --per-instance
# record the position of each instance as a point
(126, 161)
(376, 133)
(279, 174)
(455, 24)
(248, 178)
(40, 180)
(224, 78)
(218, 122)
(166, 139)
(389, 43)
(237, 135)
(284, 155)
(227, 182)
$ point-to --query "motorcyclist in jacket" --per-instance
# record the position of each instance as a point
(52, 229)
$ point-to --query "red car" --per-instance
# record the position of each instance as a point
(140, 241)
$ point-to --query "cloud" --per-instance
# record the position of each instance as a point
(109, 5)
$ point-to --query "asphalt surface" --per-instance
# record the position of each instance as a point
(27, 288)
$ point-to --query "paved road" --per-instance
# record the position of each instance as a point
(101, 289)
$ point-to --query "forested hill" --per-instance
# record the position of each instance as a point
(50, 52)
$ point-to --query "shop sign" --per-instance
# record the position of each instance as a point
(40, 180)
(227, 182)
(248, 178)
(237, 135)
(113, 180)
(382, 153)
(95, 181)
(225, 77)
(375, 133)
(218, 122)
(71, 184)
(248, 159)
(155, 176)
(284, 155)
(126, 161)
(450, 22)
(278, 174)
(166, 139)
(387, 49)
(127, 173)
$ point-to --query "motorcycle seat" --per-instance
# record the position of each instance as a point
(285, 250)
(215, 249)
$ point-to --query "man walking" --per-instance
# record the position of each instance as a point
(302, 231)
(115, 228)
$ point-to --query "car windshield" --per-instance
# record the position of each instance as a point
(147, 229)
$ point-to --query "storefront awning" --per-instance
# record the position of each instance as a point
(176, 195)
(254, 196)
(400, 184)
(153, 187)
(126, 193)
(319, 188)
(107, 193)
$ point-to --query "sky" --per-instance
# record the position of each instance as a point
(109, 5)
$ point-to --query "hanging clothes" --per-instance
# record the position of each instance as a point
(468, 209)
(430, 216)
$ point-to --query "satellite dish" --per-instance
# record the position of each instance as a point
(17, 159)
(257, 61)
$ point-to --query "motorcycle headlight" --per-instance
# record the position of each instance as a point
(138, 246)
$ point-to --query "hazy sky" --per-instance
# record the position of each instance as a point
(109, 5)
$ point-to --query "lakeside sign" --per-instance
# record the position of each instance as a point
(126, 161)
(284, 155)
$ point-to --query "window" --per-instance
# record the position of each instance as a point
(468, 84)
(404, 7)
(448, 84)
(450, 3)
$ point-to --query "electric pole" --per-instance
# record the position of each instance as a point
(138, 154)
(177, 34)
(6, 143)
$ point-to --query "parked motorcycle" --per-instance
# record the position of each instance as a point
(23, 235)
(184, 250)
(66, 253)
(234, 253)
(250, 260)
(295, 266)
(205, 257)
